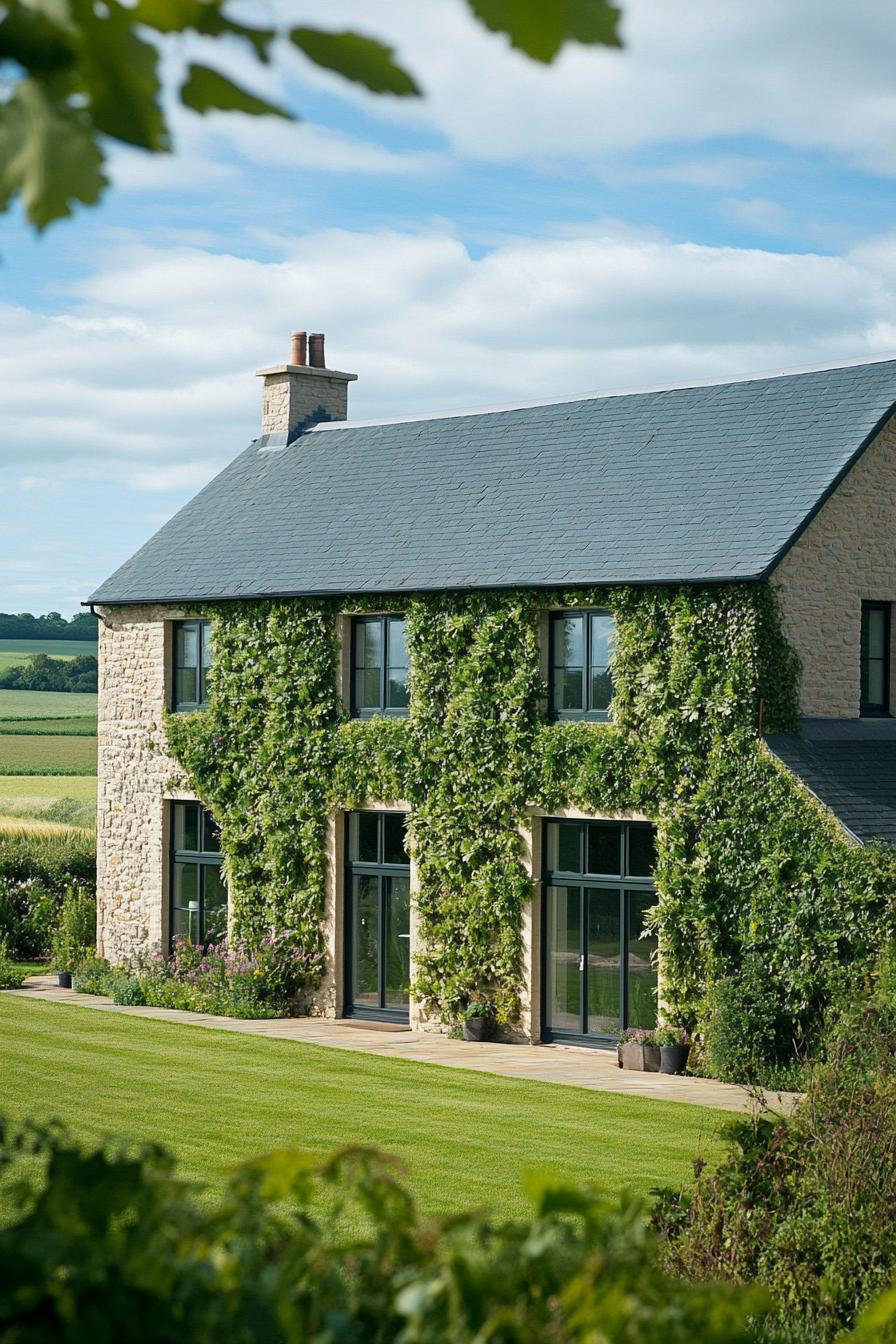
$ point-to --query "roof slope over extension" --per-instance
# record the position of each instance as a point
(693, 484)
(850, 766)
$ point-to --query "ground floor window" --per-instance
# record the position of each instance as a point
(198, 889)
(599, 971)
(377, 916)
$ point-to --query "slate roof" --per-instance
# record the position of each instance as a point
(850, 765)
(694, 484)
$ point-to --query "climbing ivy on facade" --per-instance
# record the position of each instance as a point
(751, 872)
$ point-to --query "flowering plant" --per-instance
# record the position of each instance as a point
(229, 981)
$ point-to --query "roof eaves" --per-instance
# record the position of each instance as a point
(552, 586)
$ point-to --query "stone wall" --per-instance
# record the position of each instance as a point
(135, 777)
(293, 394)
(847, 555)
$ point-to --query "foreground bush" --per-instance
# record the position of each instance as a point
(110, 1246)
(269, 980)
(36, 870)
(806, 1205)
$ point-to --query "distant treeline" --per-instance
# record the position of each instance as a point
(51, 626)
(42, 673)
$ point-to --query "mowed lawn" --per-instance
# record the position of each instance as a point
(213, 1098)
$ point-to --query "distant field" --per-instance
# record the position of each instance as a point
(45, 789)
(37, 826)
(46, 704)
(21, 754)
(84, 725)
(51, 802)
(56, 648)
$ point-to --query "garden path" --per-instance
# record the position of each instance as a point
(593, 1069)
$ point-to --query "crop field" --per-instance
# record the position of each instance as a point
(32, 754)
(83, 725)
(14, 652)
(47, 802)
(46, 704)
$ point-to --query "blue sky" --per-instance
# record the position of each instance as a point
(716, 199)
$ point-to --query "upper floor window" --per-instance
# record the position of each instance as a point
(192, 661)
(874, 694)
(198, 890)
(379, 666)
(581, 662)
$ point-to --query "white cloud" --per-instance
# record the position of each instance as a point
(146, 378)
(756, 213)
(802, 74)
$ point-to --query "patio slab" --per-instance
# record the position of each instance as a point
(595, 1070)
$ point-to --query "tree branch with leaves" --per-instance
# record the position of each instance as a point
(79, 74)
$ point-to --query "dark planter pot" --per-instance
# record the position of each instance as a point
(641, 1058)
(65, 979)
(477, 1028)
(674, 1058)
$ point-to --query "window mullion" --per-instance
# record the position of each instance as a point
(586, 688)
(384, 626)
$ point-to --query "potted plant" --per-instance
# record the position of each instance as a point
(675, 1046)
(637, 1049)
(478, 1019)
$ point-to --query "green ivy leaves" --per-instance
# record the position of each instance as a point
(749, 866)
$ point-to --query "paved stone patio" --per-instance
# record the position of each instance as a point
(593, 1069)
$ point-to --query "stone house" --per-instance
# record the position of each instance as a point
(430, 563)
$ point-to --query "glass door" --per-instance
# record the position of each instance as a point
(600, 965)
(377, 917)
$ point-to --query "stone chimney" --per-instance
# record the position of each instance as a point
(302, 392)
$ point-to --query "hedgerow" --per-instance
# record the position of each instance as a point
(751, 871)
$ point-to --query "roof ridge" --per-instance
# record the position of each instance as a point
(606, 395)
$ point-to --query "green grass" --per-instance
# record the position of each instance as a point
(21, 754)
(214, 1098)
(82, 725)
(31, 968)
(46, 704)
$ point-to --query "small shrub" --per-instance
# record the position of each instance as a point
(128, 990)
(75, 933)
(35, 872)
(93, 975)
(748, 1035)
(10, 975)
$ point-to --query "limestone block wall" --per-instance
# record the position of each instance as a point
(847, 555)
(135, 777)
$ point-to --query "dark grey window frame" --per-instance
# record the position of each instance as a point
(379, 870)
(384, 620)
(589, 714)
(590, 881)
(189, 706)
(200, 858)
(869, 709)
